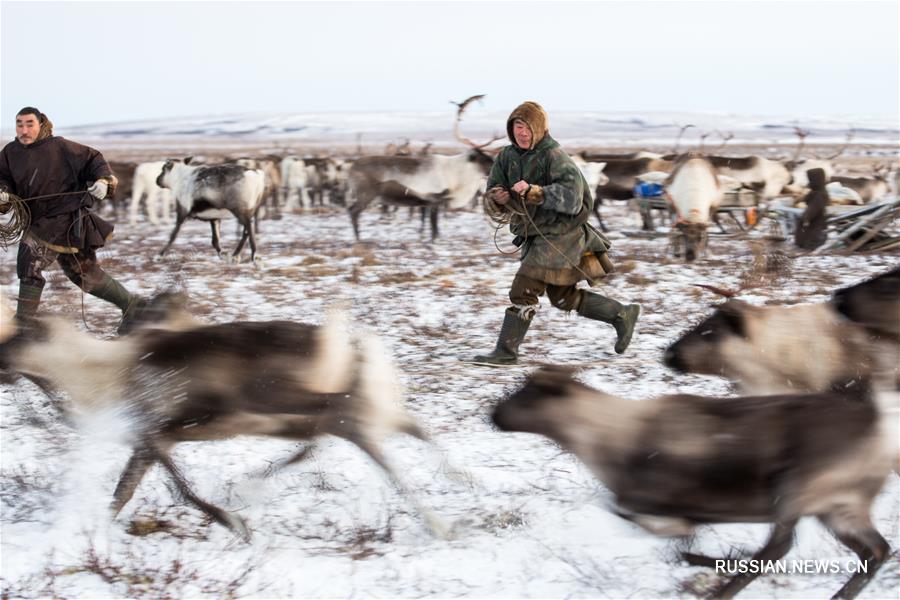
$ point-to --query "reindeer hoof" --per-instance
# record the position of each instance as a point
(239, 527)
(437, 527)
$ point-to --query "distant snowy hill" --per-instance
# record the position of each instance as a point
(573, 128)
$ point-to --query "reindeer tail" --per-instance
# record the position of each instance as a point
(332, 368)
(381, 391)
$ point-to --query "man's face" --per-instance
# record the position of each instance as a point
(27, 128)
(522, 133)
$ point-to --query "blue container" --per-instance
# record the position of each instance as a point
(648, 190)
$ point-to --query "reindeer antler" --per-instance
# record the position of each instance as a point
(725, 138)
(703, 137)
(465, 104)
(680, 133)
(800, 133)
(840, 151)
(459, 113)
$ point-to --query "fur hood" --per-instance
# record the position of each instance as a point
(536, 118)
(46, 128)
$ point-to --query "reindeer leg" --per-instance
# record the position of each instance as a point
(858, 534)
(354, 220)
(437, 527)
(780, 541)
(179, 221)
(714, 215)
(423, 211)
(231, 521)
(294, 458)
(214, 226)
(140, 462)
(246, 234)
(253, 242)
(433, 214)
(603, 226)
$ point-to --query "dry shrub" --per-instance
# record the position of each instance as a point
(638, 279)
(508, 519)
(440, 272)
(367, 257)
(399, 277)
(769, 266)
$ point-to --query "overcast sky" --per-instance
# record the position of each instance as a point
(93, 62)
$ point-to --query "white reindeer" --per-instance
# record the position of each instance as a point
(158, 200)
(211, 193)
(694, 192)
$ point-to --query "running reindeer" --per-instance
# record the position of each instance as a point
(676, 462)
(183, 381)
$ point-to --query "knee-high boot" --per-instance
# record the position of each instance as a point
(29, 299)
(111, 290)
(512, 332)
(622, 317)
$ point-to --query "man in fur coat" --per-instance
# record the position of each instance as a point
(65, 178)
(537, 187)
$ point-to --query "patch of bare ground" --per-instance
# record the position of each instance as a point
(638, 279)
(398, 277)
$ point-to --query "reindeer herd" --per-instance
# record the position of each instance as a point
(815, 433)
(695, 184)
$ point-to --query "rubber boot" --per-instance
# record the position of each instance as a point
(29, 300)
(512, 332)
(620, 316)
(130, 304)
(131, 315)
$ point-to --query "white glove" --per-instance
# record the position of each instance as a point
(98, 190)
(4, 198)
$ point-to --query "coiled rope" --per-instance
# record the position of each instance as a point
(12, 229)
(19, 217)
(501, 215)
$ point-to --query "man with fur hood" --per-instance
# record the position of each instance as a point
(538, 189)
(63, 179)
(811, 227)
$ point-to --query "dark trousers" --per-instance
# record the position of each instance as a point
(525, 291)
(82, 268)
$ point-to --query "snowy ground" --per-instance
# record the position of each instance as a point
(528, 522)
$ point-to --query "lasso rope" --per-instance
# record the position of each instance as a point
(503, 217)
(17, 222)
(12, 229)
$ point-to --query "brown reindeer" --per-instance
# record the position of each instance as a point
(675, 462)
(431, 182)
(184, 381)
(802, 348)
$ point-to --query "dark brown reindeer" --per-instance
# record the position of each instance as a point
(183, 381)
(675, 462)
(431, 182)
(874, 304)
